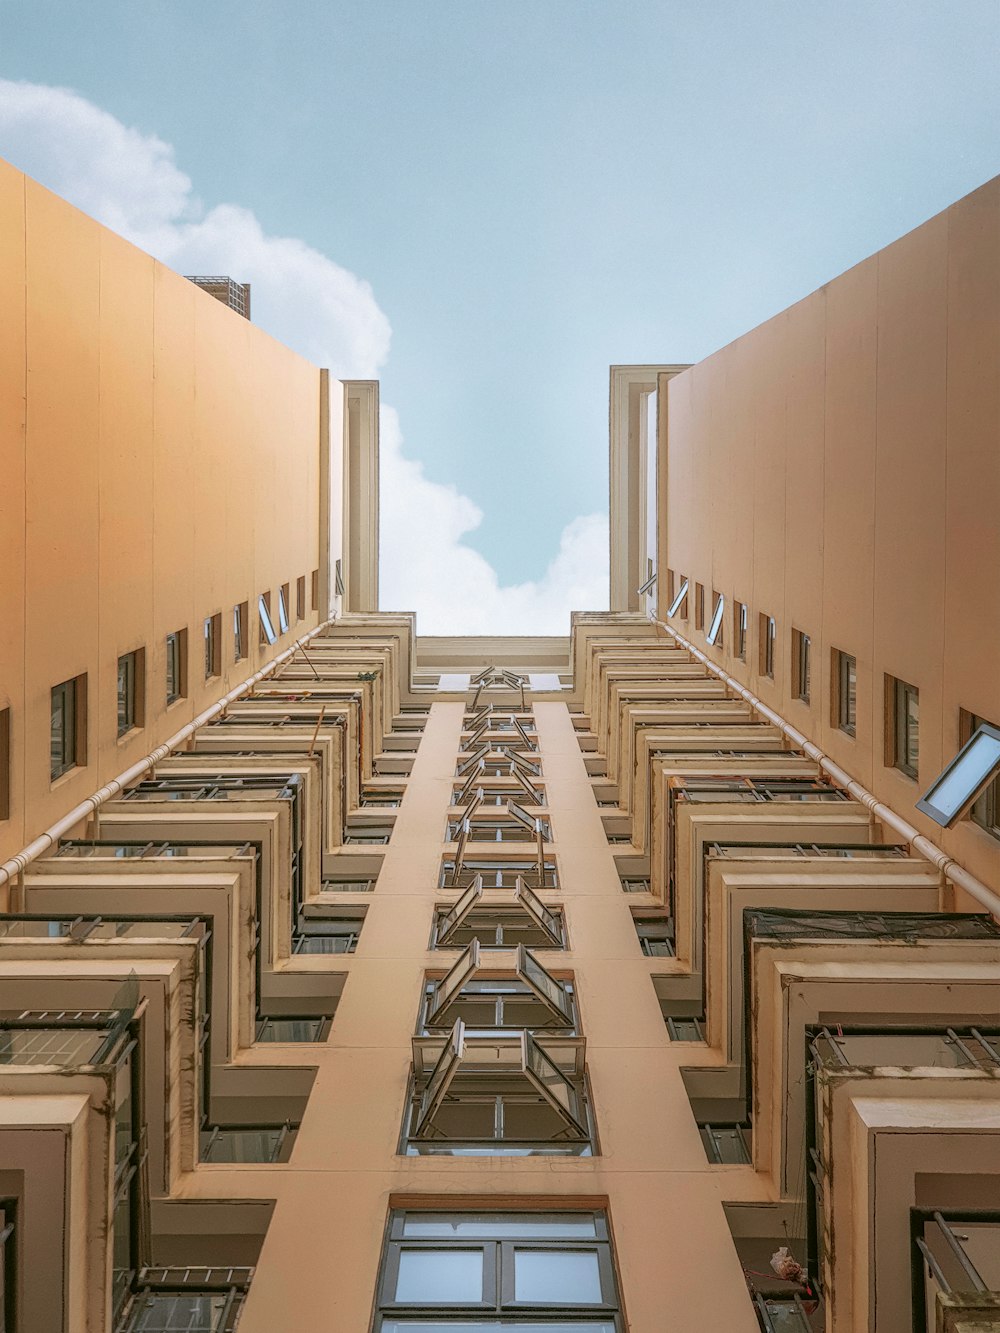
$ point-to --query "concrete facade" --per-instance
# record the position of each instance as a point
(722, 995)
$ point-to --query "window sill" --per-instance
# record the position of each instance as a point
(127, 736)
(172, 703)
(63, 778)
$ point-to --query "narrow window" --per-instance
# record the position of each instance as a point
(845, 685)
(767, 638)
(213, 645)
(671, 586)
(679, 604)
(902, 705)
(4, 763)
(715, 635)
(314, 580)
(801, 665)
(338, 578)
(68, 728)
(300, 597)
(131, 682)
(176, 666)
(240, 613)
(985, 809)
(699, 606)
(283, 608)
(267, 631)
(740, 630)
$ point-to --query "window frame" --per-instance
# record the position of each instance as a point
(679, 602)
(213, 645)
(740, 617)
(241, 615)
(699, 606)
(844, 670)
(5, 763)
(715, 634)
(984, 811)
(300, 597)
(767, 633)
(176, 651)
(267, 635)
(131, 668)
(283, 621)
(74, 691)
(499, 1253)
(801, 665)
(314, 589)
(898, 693)
(985, 793)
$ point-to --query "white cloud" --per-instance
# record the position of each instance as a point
(130, 181)
(455, 590)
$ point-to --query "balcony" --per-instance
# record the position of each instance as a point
(195, 1300)
(956, 1271)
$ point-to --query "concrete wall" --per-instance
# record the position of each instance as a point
(839, 468)
(160, 463)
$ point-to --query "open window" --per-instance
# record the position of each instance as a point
(532, 998)
(975, 766)
(680, 600)
(506, 922)
(497, 1093)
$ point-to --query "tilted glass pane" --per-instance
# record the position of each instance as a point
(975, 765)
(440, 1277)
(557, 1277)
(450, 985)
(548, 990)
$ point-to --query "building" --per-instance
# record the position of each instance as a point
(641, 979)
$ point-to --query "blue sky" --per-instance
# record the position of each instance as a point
(535, 189)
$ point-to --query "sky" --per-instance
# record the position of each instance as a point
(485, 205)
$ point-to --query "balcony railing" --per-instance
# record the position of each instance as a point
(955, 1251)
(767, 851)
(197, 1300)
(790, 923)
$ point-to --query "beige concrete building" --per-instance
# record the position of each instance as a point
(353, 981)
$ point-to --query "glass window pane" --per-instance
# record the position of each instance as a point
(565, 1277)
(520, 1226)
(440, 1277)
(966, 774)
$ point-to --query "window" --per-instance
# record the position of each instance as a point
(68, 730)
(902, 706)
(4, 763)
(176, 665)
(300, 597)
(679, 606)
(314, 580)
(131, 690)
(531, 999)
(740, 630)
(986, 809)
(801, 665)
(656, 935)
(714, 635)
(521, 918)
(292, 1029)
(283, 608)
(338, 578)
(483, 1267)
(974, 772)
(267, 632)
(845, 685)
(241, 612)
(213, 646)
(497, 1093)
(247, 1143)
(699, 606)
(767, 637)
